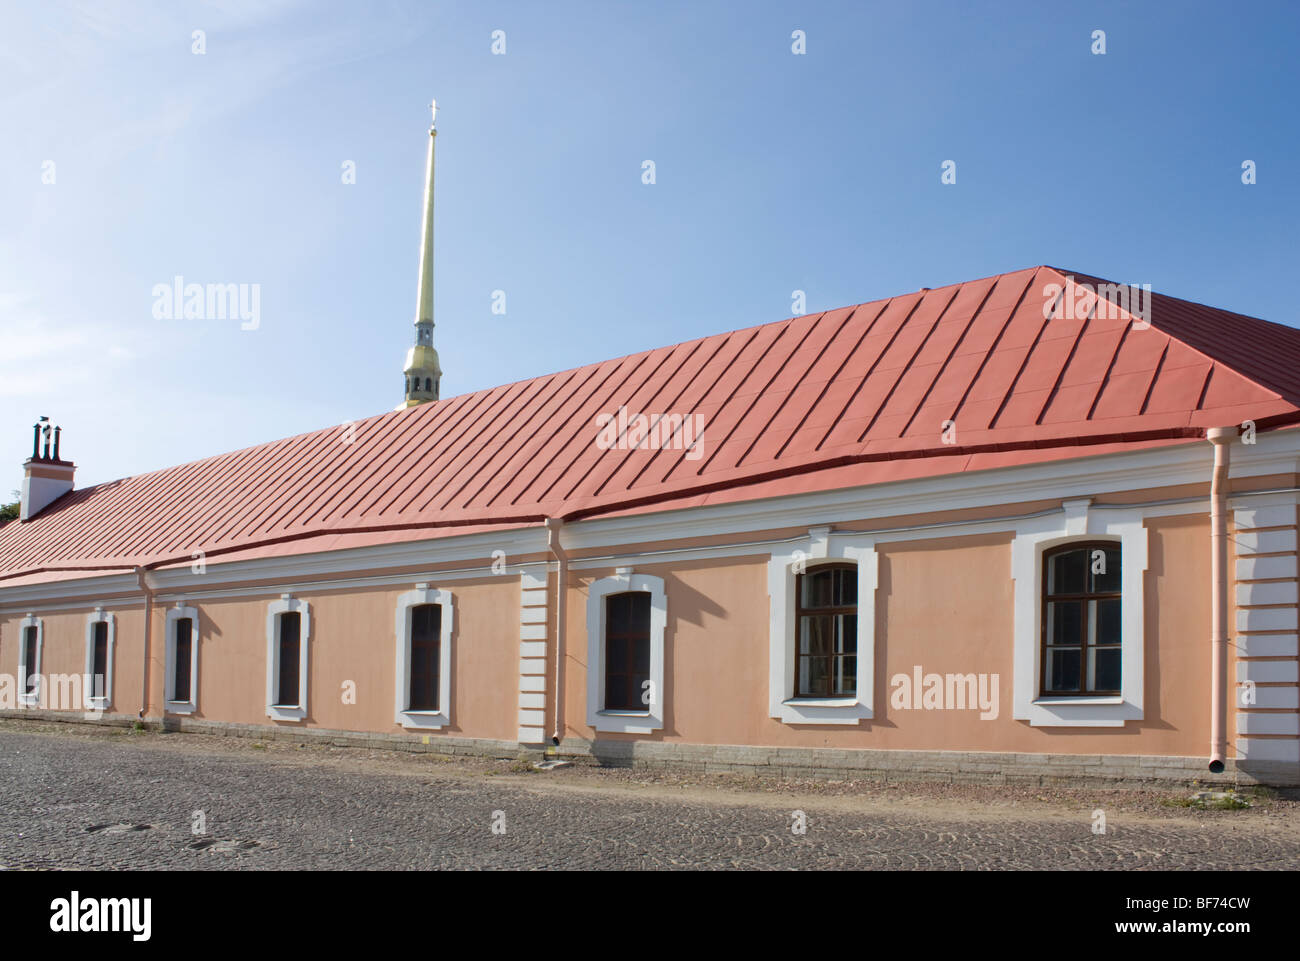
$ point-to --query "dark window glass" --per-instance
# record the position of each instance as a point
(184, 653)
(1081, 620)
(627, 650)
(29, 659)
(826, 663)
(290, 646)
(426, 661)
(99, 659)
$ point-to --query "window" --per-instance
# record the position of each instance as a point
(827, 662)
(290, 628)
(1078, 651)
(627, 651)
(627, 616)
(1081, 619)
(182, 681)
(423, 625)
(426, 628)
(99, 666)
(101, 630)
(29, 678)
(288, 638)
(29, 660)
(822, 619)
(184, 652)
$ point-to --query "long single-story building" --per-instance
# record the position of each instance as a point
(956, 530)
(1031, 525)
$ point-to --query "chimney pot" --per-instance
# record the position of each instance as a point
(46, 476)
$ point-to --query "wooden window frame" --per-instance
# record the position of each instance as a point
(800, 611)
(1045, 598)
(31, 642)
(436, 667)
(628, 638)
(281, 675)
(182, 630)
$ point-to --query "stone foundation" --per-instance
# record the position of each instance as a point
(1079, 770)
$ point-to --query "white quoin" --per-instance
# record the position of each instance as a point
(46, 477)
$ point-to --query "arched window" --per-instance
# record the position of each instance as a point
(826, 660)
(428, 384)
(1081, 619)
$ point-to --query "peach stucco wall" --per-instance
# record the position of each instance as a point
(945, 604)
(64, 649)
(352, 639)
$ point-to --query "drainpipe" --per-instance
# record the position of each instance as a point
(141, 576)
(1221, 438)
(553, 525)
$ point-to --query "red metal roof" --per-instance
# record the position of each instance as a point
(847, 397)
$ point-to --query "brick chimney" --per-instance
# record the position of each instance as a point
(46, 477)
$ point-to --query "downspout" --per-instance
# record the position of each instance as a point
(553, 525)
(141, 576)
(1221, 438)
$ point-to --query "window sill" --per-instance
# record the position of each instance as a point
(626, 722)
(1048, 699)
(821, 701)
(423, 720)
(180, 707)
(286, 712)
(817, 711)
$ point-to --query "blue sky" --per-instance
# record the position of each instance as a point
(775, 172)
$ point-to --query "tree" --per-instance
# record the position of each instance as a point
(9, 512)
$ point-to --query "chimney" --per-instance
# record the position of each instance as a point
(46, 477)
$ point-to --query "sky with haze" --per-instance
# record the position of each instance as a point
(774, 172)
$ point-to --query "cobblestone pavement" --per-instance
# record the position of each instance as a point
(120, 800)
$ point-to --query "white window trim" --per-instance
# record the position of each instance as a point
(172, 705)
(26, 670)
(100, 703)
(822, 547)
(423, 720)
(625, 722)
(285, 605)
(1033, 537)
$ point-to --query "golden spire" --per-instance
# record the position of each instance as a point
(422, 372)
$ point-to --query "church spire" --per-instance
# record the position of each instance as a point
(422, 372)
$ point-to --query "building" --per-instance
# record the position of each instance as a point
(1029, 525)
